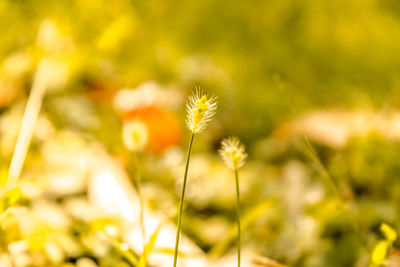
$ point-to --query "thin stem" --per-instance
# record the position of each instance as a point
(239, 241)
(181, 200)
(129, 255)
(354, 223)
(325, 173)
(141, 202)
(29, 120)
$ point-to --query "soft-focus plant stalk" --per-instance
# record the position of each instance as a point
(328, 179)
(143, 259)
(135, 138)
(41, 81)
(234, 155)
(239, 241)
(199, 110)
(181, 200)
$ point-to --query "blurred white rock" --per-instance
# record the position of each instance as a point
(335, 127)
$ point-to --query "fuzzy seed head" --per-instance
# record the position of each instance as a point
(200, 109)
(233, 152)
(134, 135)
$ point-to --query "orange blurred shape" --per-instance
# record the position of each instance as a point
(9, 92)
(163, 127)
(100, 92)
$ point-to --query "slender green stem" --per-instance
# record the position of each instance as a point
(29, 121)
(354, 223)
(129, 255)
(239, 241)
(141, 202)
(181, 201)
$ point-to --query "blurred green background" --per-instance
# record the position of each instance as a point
(266, 59)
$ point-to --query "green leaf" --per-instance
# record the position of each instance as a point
(389, 233)
(10, 198)
(379, 253)
(149, 246)
(171, 251)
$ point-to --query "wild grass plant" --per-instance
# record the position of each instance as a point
(234, 155)
(200, 109)
(135, 138)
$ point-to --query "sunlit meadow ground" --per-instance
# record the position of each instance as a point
(310, 87)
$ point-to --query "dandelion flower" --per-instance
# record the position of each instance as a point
(200, 109)
(135, 135)
(233, 152)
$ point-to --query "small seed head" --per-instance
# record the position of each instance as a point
(134, 135)
(233, 152)
(200, 109)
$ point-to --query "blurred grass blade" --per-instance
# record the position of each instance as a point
(29, 119)
(266, 262)
(181, 254)
(150, 246)
(128, 254)
(329, 181)
(9, 199)
(327, 178)
(248, 218)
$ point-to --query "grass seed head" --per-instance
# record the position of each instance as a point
(200, 109)
(134, 135)
(233, 152)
